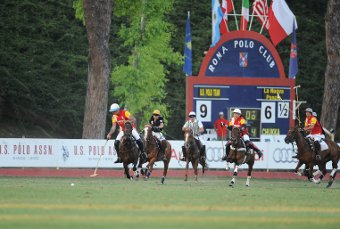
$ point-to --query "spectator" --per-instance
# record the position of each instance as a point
(220, 127)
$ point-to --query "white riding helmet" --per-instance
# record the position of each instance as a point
(114, 107)
(237, 111)
(309, 110)
(191, 113)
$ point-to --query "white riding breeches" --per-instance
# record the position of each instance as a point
(316, 137)
(134, 134)
(246, 138)
(158, 135)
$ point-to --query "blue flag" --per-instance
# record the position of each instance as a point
(187, 68)
(217, 16)
(293, 61)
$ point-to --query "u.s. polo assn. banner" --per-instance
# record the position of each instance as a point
(84, 153)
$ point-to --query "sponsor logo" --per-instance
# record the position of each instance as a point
(284, 155)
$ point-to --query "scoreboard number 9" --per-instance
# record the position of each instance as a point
(203, 110)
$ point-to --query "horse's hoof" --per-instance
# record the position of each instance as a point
(298, 174)
(247, 185)
(329, 184)
(131, 178)
(162, 181)
(146, 178)
(231, 183)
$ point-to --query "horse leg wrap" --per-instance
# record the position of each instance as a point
(333, 173)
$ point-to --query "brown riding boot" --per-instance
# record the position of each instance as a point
(317, 148)
(119, 160)
(227, 149)
(254, 147)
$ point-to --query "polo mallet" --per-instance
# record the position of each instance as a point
(95, 171)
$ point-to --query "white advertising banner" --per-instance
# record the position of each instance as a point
(84, 153)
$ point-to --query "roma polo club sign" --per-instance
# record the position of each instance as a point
(243, 70)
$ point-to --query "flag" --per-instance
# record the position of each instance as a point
(281, 21)
(245, 15)
(216, 20)
(227, 7)
(260, 8)
(187, 68)
(293, 62)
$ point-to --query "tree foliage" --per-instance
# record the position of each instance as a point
(43, 67)
(140, 83)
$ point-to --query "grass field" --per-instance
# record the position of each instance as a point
(210, 203)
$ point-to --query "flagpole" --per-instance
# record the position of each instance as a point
(232, 3)
(226, 25)
(263, 24)
(265, 21)
(252, 17)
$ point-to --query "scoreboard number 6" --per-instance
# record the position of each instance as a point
(203, 110)
(268, 112)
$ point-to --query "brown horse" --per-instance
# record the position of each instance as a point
(129, 151)
(239, 155)
(153, 151)
(306, 155)
(192, 153)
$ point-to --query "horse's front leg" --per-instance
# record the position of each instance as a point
(250, 169)
(165, 170)
(233, 180)
(310, 173)
(126, 170)
(333, 173)
(296, 171)
(186, 170)
(150, 168)
(195, 165)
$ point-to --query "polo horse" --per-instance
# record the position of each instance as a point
(306, 155)
(153, 150)
(239, 155)
(193, 154)
(129, 151)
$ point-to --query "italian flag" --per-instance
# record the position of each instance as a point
(245, 15)
(281, 20)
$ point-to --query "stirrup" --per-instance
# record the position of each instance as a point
(224, 158)
(182, 159)
(318, 157)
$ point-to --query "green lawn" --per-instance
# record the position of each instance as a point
(210, 203)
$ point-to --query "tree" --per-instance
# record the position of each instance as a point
(97, 15)
(140, 83)
(331, 96)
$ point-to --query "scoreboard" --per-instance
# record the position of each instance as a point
(243, 71)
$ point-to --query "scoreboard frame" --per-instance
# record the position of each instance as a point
(265, 84)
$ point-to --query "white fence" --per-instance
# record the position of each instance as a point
(81, 153)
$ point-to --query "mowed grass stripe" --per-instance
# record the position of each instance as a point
(178, 208)
(169, 219)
